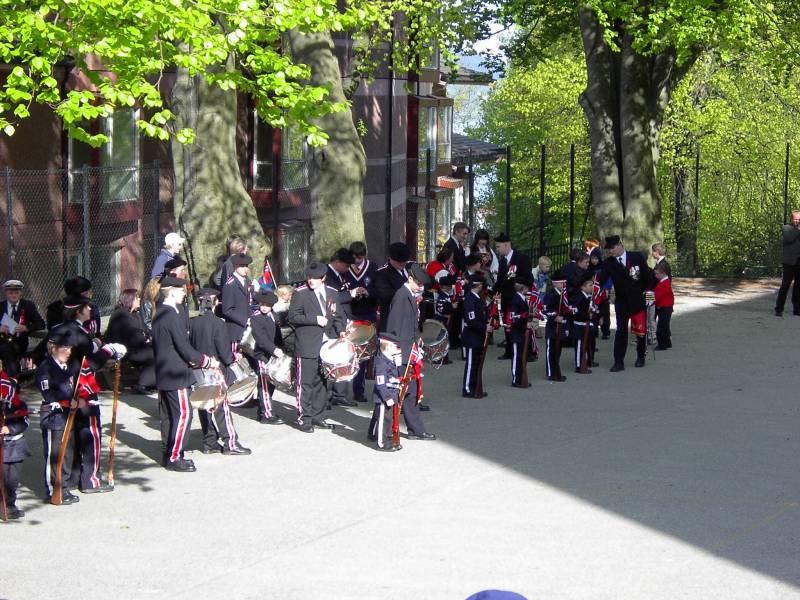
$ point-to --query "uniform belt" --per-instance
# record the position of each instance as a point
(13, 438)
(579, 322)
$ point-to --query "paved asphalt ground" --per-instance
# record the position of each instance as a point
(679, 480)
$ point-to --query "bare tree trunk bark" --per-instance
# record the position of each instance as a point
(336, 171)
(211, 201)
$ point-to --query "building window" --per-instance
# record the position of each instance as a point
(427, 137)
(294, 251)
(103, 270)
(117, 178)
(445, 132)
(294, 149)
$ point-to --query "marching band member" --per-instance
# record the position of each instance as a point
(518, 325)
(15, 448)
(336, 279)
(314, 313)
(236, 299)
(391, 277)
(403, 324)
(175, 358)
(385, 394)
(20, 318)
(364, 306)
(556, 311)
(267, 335)
(512, 263)
(586, 316)
(473, 332)
(208, 336)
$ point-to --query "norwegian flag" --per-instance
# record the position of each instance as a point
(416, 355)
(534, 303)
(87, 384)
(599, 294)
(266, 281)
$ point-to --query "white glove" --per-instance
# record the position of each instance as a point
(393, 383)
(322, 321)
(94, 402)
(390, 402)
(117, 350)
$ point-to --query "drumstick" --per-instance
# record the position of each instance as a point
(113, 442)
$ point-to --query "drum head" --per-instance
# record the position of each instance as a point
(361, 334)
(433, 331)
(337, 352)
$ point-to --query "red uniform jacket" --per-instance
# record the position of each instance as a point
(664, 295)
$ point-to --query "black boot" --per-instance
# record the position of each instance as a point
(641, 348)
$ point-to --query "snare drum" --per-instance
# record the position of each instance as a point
(339, 360)
(243, 388)
(365, 339)
(247, 345)
(208, 390)
(435, 341)
(280, 371)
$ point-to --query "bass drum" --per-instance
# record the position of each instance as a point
(244, 386)
(435, 341)
(339, 360)
(280, 371)
(208, 390)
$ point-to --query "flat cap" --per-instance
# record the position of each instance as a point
(75, 301)
(174, 263)
(241, 260)
(419, 274)
(77, 286)
(62, 336)
(612, 241)
(168, 281)
(13, 284)
(447, 280)
(399, 252)
(476, 278)
(268, 298)
(207, 292)
(502, 238)
(316, 270)
(344, 255)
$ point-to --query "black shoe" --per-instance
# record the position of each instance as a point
(237, 450)
(329, 407)
(306, 427)
(100, 489)
(424, 407)
(661, 348)
(778, 313)
(372, 438)
(532, 358)
(14, 512)
(181, 466)
(389, 448)
(582, 373)
(164, 458)
(519, 385)
(273, 420)
(322, 424)
(557, 379)
(422, 436)
(504, 357)
(617, 367)
(344, 402)
(211, 449)
(360, 398)
(67, 497)
(595, 364)
(639, 362)
(605, 336)
(139, 389)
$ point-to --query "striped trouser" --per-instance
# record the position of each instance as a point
(265, 391)
(217, 424)
(472, 359)
(88, 430)
(553, 358)
(178, 412)
(517, 364)
(52, 425)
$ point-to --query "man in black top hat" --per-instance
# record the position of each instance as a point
(512, 263)
(631, 278)
(315, 314)
(391, 277)
(20, 318)
(236, 298)
(403, 324)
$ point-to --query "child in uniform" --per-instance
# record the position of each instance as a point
(388, 362)
(518, 326)
(665, 301)
(556, 311)
(586, 315)
(268, 340)
(15, 448)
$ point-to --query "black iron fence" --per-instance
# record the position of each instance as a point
(102, 223)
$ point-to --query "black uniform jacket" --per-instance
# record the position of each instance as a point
(552, 302)
(517, 317)
(387, 379)
(15, 448)
(476, 316)
(266, 334)
(84, 347)
(56, 385)
(403, 320)
(175, 356)
(506, 275)
(235, 307)
(28, 314)
(387, 281)
(364, 308)
(630, 281)
(341, 284)
(125, 327)
(303, 312)
(459, 254)
(208, 335)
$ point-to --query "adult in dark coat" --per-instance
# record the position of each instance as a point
(315, 315)
(512, 262)
(236, 298)
(403, 325)
(458, 244)
(791, 266)
(125, 326)
(631, 277)
(391, 277)
(24, 319)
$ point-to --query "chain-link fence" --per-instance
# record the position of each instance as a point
(102, 223)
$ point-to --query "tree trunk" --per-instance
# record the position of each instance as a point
(624, 102)
(211, 201)
(336, 171)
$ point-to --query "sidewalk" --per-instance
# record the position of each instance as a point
(679, 480)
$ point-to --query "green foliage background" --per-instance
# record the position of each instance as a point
(741, 114)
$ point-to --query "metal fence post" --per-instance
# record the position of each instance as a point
(156, 209)
(387, 208)
(571, 194)
(87, 267)
(696, 205)
(541, 200)
(429, 218)
(786, 187)
(10, 222)
(471, 192)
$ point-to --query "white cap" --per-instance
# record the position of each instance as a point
(440, 274)
(13, 284)
(173, 239)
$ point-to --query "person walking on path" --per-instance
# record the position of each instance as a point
(791, 268)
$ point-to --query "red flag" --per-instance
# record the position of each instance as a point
(265, 282)
(87, 384)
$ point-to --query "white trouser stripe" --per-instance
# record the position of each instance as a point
(469, 371)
